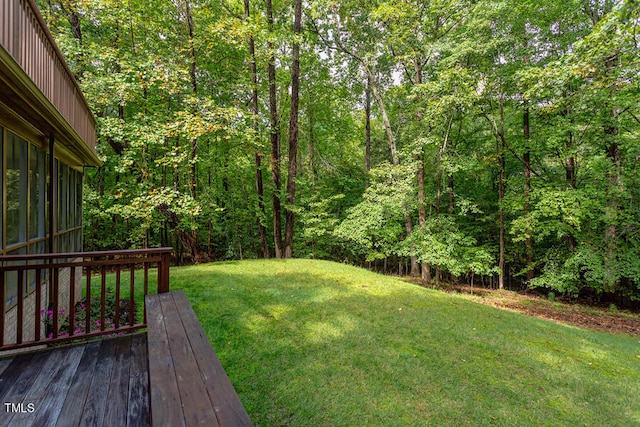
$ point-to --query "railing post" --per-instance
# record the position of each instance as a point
(163, 272)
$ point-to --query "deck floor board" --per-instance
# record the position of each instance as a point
(79, 390)
(79, 385)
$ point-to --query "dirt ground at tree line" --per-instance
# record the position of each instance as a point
(581, 315)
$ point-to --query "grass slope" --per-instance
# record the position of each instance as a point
(315, 343)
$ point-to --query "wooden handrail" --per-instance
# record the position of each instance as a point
(32, 310)
(123, 252)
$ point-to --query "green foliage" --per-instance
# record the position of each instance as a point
(440, 242)
(179, 140)
(376, 223)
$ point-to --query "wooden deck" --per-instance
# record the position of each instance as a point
(167, 376)
(100, 383)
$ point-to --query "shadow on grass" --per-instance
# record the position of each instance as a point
(310, 343)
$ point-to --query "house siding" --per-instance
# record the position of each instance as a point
(47, 137)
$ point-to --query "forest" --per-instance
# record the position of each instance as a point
(489, 142)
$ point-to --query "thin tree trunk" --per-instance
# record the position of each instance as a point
(425, 268)
(450, 190)
(194, 91)
(312, 149)
(527, 194)
(614, 154)
(570, 173)
(385, 119)
(501, 192)
(275, 140)
(422, 213)
(262, 230)
(441, 152)
(367, 140)
(501, 145)
(293, 133)
(76, 30)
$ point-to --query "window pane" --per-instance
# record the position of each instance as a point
(16, 189)
(63, 195)
(36, 248)
(79, 199)
(56, 205)
(47, 203)
(72, 199)
(37, 184)
(11, 280)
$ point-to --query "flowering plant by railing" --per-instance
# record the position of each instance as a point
(96, 322)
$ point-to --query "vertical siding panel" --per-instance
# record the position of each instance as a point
(22, 35)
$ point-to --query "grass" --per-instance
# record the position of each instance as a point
(315, 343)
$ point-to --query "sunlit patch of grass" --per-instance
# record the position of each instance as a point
(315, 343)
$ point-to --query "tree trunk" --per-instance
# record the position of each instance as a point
(450, 190)
(441, 152)
(614, 154)
(385, 119)
(76, 30)
(422, 213)
(185, 237)
(367, 140)
(275, 140)
(262, 230)
(312, 147)
(570, 173)
(194, 91)
(527, 194)
(501, 192)
(293, 133)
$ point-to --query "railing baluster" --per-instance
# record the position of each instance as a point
(72, 301)
(131, 294)
(103, 292)
(20, 320)
(146, 291)
(38, 305)
(116, 320)
(87, 304)
(56, 274)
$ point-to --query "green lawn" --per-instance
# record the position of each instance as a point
(315, 343)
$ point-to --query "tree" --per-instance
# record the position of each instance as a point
(293, 130)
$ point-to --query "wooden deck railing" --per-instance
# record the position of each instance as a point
(25, 36)
(53, 305)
